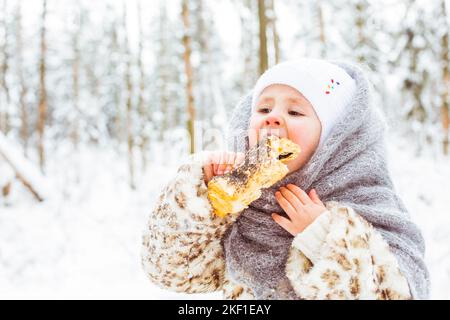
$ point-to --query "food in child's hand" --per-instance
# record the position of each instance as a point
(264, 165)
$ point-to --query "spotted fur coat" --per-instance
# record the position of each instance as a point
(339, 256)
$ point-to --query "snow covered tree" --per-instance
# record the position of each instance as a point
(143, 135)
(208, 85)
(5, 95)
(113, 87)
(269, 41)
(263, 55)
(275, 38)
(76, 70)
(22, 75)
(166, 72)
(362, 41)
(248, 67)
(187, 38)
(129, 103)
(315, 35)
(444, 27)
(42, 118)
(414, 47)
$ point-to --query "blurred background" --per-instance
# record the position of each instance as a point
(99, 101)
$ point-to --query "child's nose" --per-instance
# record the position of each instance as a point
(273, 121)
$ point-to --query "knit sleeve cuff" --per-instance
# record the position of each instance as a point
(310, 240)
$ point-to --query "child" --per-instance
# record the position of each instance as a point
(348, 237)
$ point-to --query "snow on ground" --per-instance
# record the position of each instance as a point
(424, 185)
(85, 243)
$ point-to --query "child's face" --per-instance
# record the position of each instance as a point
(283, 111)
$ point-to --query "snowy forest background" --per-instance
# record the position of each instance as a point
(98, 100)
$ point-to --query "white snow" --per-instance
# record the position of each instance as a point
(423, 183)
(6, 174)
(85, 241)
(24, 167)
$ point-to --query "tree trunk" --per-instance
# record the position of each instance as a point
(204, 90)
(360, 25)
(189, 74)
(412, 85)
(115, 86)
(42, 112)
(322, 37)
(75, 78)
(4, 67)
(445, 96)
(248, 45)
(276, 38)
(143, 113)
(76, 66)
(24, 133)
(129, 106)
(263, 55)
(163, 67)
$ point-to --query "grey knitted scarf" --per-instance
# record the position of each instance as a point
(350, 167)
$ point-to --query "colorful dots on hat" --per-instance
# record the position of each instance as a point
(330, 87)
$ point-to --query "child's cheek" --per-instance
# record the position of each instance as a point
(297, 135)
(308, 143)
(304, 132)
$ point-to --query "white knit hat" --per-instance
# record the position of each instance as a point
(327, 87)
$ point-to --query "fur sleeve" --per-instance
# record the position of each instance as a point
(341, 256)
(181, 248)
(236, 291)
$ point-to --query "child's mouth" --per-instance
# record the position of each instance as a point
(284, 155)
(284, 149)
(264, 134)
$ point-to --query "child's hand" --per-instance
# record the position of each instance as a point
(301, 208)
(221, 162)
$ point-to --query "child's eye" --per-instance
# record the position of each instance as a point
(264, 110)
(295, 113)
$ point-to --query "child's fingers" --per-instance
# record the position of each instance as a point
(223, 161)
(235, 159)
(240, 157)
(283, 222)
(315, 197)
(213, 161)
(304, 198)
(285, 205)
(230, 162)
(208, 172)
(228, 169)
(219, 165)
(291, 197)
(231, 158)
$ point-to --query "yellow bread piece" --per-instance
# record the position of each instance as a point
(264, 165)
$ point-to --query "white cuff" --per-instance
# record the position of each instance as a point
(310, 240)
